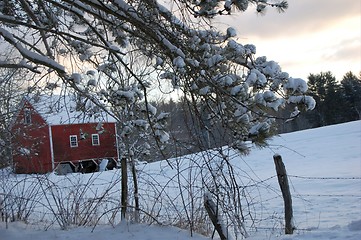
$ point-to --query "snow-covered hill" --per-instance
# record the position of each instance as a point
(324, 167)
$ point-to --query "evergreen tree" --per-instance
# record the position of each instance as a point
(324, 88)
(351, 92)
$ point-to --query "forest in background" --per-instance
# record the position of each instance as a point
(337, 101)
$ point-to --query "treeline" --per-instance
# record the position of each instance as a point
(337, 101)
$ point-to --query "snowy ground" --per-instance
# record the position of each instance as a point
(324, 167)
(21, 231)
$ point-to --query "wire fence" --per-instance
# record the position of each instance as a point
(310, 207)
(270, 186)
(158, 203)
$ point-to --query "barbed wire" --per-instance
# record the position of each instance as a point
(330, 195)
(255, 184)
(326, 178)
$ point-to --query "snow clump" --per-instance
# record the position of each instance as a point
(256, 78)
(231, 32)
(295, 85)
(178, 62)
(307, 100)
(76, 77)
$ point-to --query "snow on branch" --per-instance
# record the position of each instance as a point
(306, 100)
(32, 56)
(21, 64)
(222, 80)
(210, 9)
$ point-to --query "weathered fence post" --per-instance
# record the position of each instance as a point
(124, 196)
(136, 191)
(283, 182)
(213, 214)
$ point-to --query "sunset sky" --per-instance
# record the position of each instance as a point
(310, 37)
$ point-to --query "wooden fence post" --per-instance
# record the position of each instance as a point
(136, 191)
(124, 196)
(213, 214)
(283, 182)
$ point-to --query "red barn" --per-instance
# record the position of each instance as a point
(63, 133)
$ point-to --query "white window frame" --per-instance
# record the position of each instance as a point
(95, 140)
(73, 139)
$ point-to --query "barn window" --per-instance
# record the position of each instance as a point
(73, 140)
(95, 139)
(27, 116)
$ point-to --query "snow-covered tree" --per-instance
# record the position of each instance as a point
(222, 79)
(12, 86)
(116, 52)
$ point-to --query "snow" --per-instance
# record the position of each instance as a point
(193, 62)
(163, 116)
(56, 110)
(33, 56)
(307, 100)
(276, 104)
(269, 99)
(271, 68)
(24, 151)
(76, 77)
(179, 62)
(150, 109)
(170, 46)
(204, 91)
(256, 78)
(159, 61)
(231, 32)
(251, 49)
(214, 210)
(21, 231)
(239, 89)
(103, 165)
(141, 123)
(215, 59)
(129, 95)
(324, 170)
(258, 128)
(162, 135)
(296, 85)
(92, 82)
(295, 113)
(236, 47)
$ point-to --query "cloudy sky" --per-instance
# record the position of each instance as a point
(310, 37)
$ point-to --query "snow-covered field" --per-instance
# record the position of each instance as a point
(324, 168)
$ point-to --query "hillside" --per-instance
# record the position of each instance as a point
(323, 164)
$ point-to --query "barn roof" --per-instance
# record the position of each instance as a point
(65, 109)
